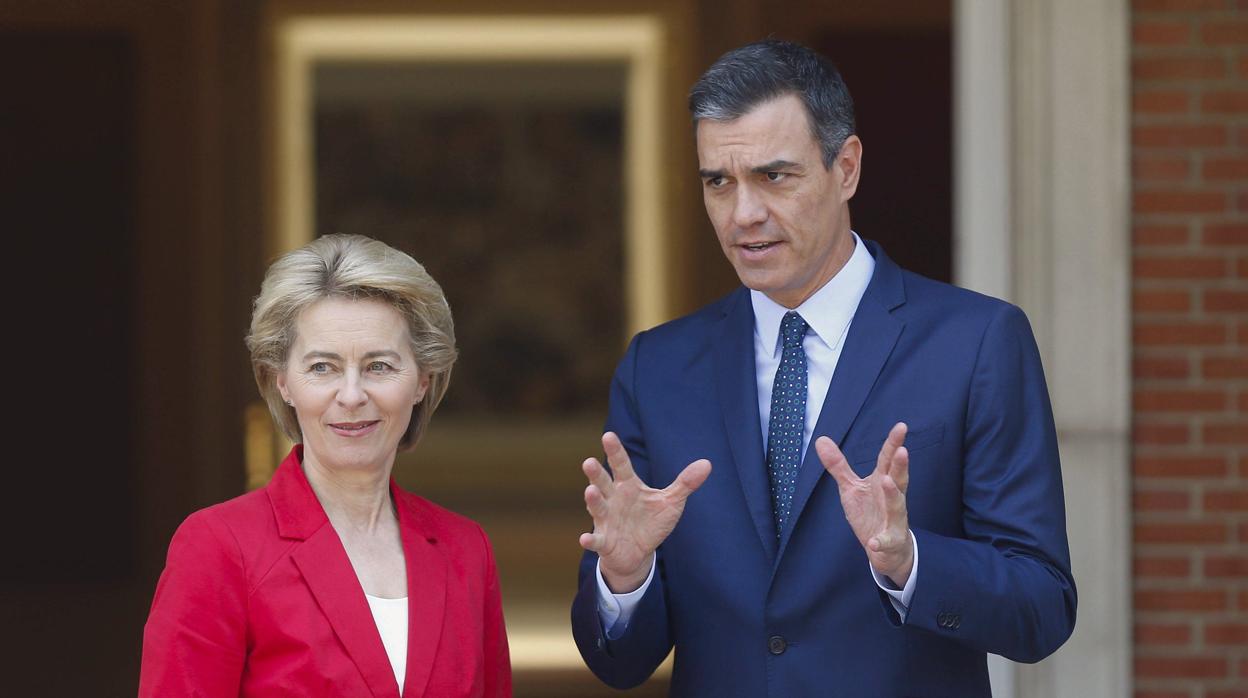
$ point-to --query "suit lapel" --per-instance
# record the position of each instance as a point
(872, 335)
(737, 388)
(426, 592)
(325, 567)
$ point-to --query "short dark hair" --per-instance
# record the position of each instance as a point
(746, 77)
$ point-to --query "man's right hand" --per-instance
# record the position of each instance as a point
(631, 519)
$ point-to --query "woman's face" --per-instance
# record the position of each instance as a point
(353, 381)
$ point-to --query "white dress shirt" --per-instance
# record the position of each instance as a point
(828, 312)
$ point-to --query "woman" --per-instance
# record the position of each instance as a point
(332, 581)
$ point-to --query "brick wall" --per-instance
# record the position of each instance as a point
(1190, 323)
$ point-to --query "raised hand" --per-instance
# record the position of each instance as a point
(631, 519)
(875, 506)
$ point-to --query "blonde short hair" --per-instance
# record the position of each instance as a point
(354, 267)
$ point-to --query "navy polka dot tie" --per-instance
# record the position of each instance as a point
(788, 419)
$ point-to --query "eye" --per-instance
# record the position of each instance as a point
(776, 176)
(379, 367)
(715, 182)
(319, 367)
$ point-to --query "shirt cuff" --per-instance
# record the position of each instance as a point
(899, 597)
(615, 610)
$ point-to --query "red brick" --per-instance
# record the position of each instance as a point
(1241, 268)
(1178, 67)
(1177, 5)
(1225, 433)
(1243, 65)
(1160, 169)
(1160, 434)
(1179, 533)
(1227, 634)
(1160, 101)
(1172, 667)
(1180, 600)
(1175, 334)
(1179, 136)
(1216, 300)
(1225, 32)
(1144, 234)
(1226, 234)
(1243, 606)
(1221, 168)
(1161, 567)
(1161, 301)
(1224, 367)
(1241, 200)
(1229, 500)
(1162, 694)
(1242, 403)
(1160, 368)
(1227, 694)
(1225, 102)
(1179, 201)
(1162, 634)
(1179, 400)
(1178, 267)
(1221, 566)
(1159, 33)
(1180, 466)
(1161, 500)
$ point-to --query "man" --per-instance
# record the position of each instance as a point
(885, 505)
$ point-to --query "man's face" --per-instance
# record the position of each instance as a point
(781, 217)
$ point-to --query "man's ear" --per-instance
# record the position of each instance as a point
(848, 167)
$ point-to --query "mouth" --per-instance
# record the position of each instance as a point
(353, 429)
(754, 248)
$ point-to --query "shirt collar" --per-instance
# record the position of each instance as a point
(827, 311)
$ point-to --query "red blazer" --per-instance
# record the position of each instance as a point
(258, 598)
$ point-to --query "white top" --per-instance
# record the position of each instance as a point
(828, 312)
(391, 618)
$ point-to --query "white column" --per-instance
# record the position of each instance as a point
(1043, 220)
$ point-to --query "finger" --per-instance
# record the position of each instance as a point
(617, 457)
(834, 462)
(896, 437)
(690, 479)
(591, 541)
(899, 471)
(597, 475)
(595, 503)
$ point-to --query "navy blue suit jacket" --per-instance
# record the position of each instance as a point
(985, 504)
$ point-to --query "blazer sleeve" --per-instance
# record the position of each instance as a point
(494, 647)
(1005, 587)
(194, 643)
(630, 659)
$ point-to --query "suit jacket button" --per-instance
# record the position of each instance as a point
(957, 621)
(776, 645)
(942, 619)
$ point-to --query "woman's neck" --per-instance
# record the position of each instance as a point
(359, 499)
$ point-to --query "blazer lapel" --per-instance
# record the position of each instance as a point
(872, 335)
(736, 385)
(426, 592)
(325, 567)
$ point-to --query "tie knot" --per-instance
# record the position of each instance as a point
(792, 329)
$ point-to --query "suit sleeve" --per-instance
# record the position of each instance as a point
(1006, 586)
(630, 659)
(497, 656)
(194, 643)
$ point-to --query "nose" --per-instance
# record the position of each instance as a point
(748, 208)
(351, 393)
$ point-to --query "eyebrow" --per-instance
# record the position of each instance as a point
(368, 355)
(757, 169)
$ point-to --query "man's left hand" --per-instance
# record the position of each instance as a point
(875, 506)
